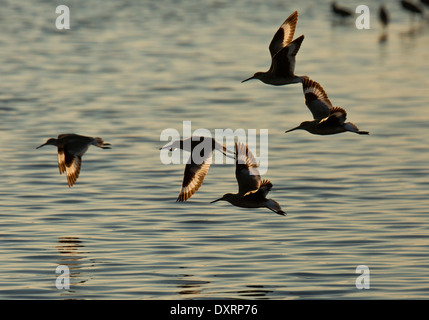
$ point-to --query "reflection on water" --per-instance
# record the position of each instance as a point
(189, 285)
(415, 29)
(72, 255)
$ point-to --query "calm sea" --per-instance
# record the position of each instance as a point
(128, 70)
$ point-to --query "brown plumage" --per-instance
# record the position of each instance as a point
(198, 164)
(71, 147)
(252, 191)
(283, 52)
(327, 118)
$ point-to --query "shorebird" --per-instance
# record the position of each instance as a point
(283, 52)
(71, 147)
(327, 118)
(252, 191)
(383, 16)
(425, 2)
(199, 162)
(411, 7)
(341, 11)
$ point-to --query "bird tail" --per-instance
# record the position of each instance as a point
(362, 132)
(353, 128)
(274, 206)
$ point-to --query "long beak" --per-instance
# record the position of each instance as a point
(41, 145)
(167, 147)
(229, 156)
(292, 129)
(216, 200)
(252, 77)
(225, 152)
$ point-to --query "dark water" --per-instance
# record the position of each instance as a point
(126, 71)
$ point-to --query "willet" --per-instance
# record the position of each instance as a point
(252, 191)
(327, 118)
(71, 147)
(341, 11)
(411, 7)
(199, 162)
(383, 16)
(283, 52)
(425, 2)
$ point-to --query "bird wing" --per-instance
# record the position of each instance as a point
(246, 169)
(61, 160)
(193, 178)
(283, 63)
(72, 165)
(274, 206)
(284, 34)
(316, 98)
(262, 192)
(337, 117)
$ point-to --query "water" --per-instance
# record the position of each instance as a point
(125, 71)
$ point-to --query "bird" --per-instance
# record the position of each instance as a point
(252, 190)
(199, 162)
(327, 118)
(283, 52)
(425, 2)
(341, 11)
(411, 7)
(71, 147)
(383, 16)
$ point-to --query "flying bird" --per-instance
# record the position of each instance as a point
(71, 147)
(283, 52)
(327, 118)
(252, 190)
(199, 162)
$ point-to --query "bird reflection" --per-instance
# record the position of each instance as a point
(72, 256)
(415, 30)
(188, 285)
(254, 291)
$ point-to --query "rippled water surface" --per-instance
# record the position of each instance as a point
(127, 70)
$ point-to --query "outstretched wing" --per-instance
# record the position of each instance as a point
(72, 164)
(193, 178)
(246, 169)
(316, 98)
(61, 160)
(284, 34)
(283, 63)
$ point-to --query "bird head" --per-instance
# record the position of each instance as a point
(303, 126)
(257, 75)
(171, 145)
(51, 141)
(226, 197)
